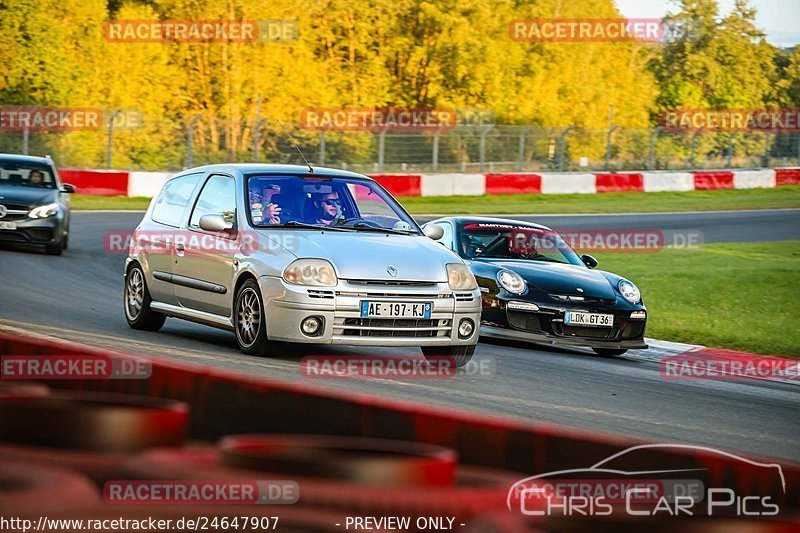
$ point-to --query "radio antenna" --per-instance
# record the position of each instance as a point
(291, 140)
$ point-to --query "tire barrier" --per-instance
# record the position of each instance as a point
(365, 461)
(22, 388)
(92, 421)
(89, 433)
(225, 404)
(368, 480)
(30, 488)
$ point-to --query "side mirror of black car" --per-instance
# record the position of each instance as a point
(67, 188)
(589, 261)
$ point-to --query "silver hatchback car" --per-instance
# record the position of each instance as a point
(283, 253)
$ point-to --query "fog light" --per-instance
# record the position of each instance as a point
(465, 328)
(638, 314)
(311, 326)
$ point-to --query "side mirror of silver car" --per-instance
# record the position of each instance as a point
(214, 223)
(434, 231)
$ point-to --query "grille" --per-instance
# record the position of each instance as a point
(15, 216)
(584, 332)
(464, 297)
(391, 283)
(11, 236)
(392, 327)
(406, 296)
(325, 295)
(633, 330)
(526, 321)
(39, 234)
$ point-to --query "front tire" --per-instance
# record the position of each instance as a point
(608, 352)
(249, 320)
(457, 356)
(137, 302)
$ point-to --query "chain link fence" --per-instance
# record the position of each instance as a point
(142, 142)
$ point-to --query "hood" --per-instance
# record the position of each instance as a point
(555, 278)
(29, 196)
(365, 255)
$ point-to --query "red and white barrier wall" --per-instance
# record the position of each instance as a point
(122, 183)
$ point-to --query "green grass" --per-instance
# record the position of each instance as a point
(83, 202)
(626, 202)
(742, 296)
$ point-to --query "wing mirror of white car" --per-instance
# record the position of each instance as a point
(433, 231)
(214, 223)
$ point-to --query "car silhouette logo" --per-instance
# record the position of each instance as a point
(579, 289)
(392, 271)
(3, 211)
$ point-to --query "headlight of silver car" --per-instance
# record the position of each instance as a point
(460, 278)
(629, 291)
(512, 282)
(44, 211)
(316, 272)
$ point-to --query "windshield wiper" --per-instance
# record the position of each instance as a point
(296, 224)
(360, 226)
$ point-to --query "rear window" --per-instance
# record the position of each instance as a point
(173, 200)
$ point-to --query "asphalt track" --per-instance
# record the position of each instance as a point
(79, 297)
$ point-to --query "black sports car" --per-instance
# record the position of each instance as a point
(536, 288)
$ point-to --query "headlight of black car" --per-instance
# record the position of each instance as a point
(512, 282)
(629, 291)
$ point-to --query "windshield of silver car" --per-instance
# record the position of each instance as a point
(344, 204)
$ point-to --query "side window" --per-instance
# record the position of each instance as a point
(173, 200)
(218, 197)
(447, 238)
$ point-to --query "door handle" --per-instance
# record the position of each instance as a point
(179, 250)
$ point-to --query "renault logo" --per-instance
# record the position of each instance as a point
(3, 211)
(392, 271)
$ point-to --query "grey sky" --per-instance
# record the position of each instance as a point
(779, 19)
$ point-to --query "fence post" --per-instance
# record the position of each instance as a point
(110, 147)
(482, 149)
(381, 148)
(435, 155)
(562, 139)
(26, 131)
(322, 147)
(694, 139)
(190, 140)
(256, 138)
(730, 148)
(608, 146)
(521, 149)
(652, 153)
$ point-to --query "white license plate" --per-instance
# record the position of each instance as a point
(588, 319)
(8, 225)
(395, 310)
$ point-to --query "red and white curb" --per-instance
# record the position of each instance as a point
(147, 184)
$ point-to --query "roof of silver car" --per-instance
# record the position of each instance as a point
(258, 168)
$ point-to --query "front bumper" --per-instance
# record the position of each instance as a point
(37, 231)
(339, 307)
(547, 325)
